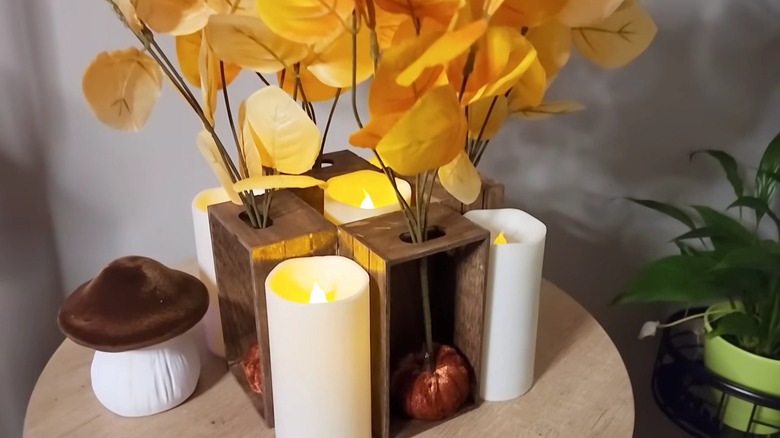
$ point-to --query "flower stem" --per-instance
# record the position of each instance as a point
(330, 119)
(692, 317)
(354, 70)
(427, 319)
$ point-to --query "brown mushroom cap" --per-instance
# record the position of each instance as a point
(134, 302)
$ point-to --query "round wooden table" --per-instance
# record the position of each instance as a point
(581, 390)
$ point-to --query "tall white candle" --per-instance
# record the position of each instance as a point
(318, 330)
(361, 195)
(512, 306)
(200, 221)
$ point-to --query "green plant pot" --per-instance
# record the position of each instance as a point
(741, 367)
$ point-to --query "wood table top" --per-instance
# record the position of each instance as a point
(581, 390)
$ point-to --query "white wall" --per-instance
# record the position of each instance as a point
(709, 80)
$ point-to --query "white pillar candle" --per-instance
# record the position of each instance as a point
(318, 330)
(512, 306)
(200, 221)
(361, 195)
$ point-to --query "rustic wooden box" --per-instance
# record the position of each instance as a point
(490, 197)
(332, 164)
(243, 257)
(457, 268)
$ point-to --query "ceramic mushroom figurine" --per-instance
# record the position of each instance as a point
(137, 313)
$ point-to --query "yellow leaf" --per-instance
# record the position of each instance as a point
(247, 42)
(531, 86)
(576, 13)
(490, 113)
(128, 10)
(289, 139)
(277, 182)
(526, 13)
(240, 7)
(208, 147)
(461, 179)
(552, 42)
(208, 81)
(439, 10)
(174, 17)
(377, 127)
(619, 39)
(386, 26)
(386, 96)
(306, 21)
(250, 151)
(446, 48)
(430, 135)
(522, 62)
(544, 110)
(331, 63)
(122, 88)
(188, 54)
(315, 90)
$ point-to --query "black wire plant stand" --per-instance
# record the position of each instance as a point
(686, 391)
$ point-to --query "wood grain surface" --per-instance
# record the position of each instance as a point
(581, 390)
(490, 197)
(333, 164)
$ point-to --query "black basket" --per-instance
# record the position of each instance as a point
(680, 383)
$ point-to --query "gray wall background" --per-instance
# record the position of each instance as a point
(75, 194)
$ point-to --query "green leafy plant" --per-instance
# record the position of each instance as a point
(725, 256)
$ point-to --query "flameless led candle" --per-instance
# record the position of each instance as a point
(362, 194)
(200, 220)
(318, 330)
(512, 302)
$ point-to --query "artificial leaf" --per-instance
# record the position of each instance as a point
(667, 209)
(446, 48)
(429, 136)
(759, 206)
(486, 117)
(729, 233)
(552, 41)
(768, 170)
(375, 130)
(526, 13)
(332, 62)
(188, 53)
(289, 140)
(577, 13)
(315, 90)
(386, 96)
(729, 165)
(386, 26)
(208, 147)
(617, 40)
(174, 17)
(128, 11)
(528, 91)
(461, 179)
(208, 81)
(306, 21)
(543, 111)
(122, 88)
(674, 279)
(736, 324)
(240, 7)
(277, 182)
(247, 42)
(440, 10)
(250, 151)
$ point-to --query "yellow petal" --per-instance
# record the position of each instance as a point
(490, 113)
(439, 10)
(332, 62)
(250, 151)
(443, 50)
(386, 26)
(526, 13)
(386, 96)
(377, 127)
(188, 54)
(544, 110)
(306, 21)
(290, 139)
(315, 90)
(122, 88)
(247, 42)
(461, 179)
(174, 17)
(277, 182)
(430, 135)
(128, 10)
(208, 147)
(619, 39)
(522, 62)
(578, 13)
(552, 42)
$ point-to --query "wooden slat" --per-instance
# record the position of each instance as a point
(338, 163)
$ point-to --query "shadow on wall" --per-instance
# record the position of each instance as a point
(710, 80)
(30, 291)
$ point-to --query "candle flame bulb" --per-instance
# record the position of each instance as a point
(367, 203)
(500, 239)
(317, 294)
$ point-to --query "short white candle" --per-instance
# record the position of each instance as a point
(319, 334)
(512, 306)
(361, 195)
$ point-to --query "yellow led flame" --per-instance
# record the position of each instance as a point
(367, 203)
(500, 239)
(317, 294)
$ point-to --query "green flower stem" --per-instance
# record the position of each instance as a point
(692, 317)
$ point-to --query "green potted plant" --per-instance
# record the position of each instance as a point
(731, 258)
